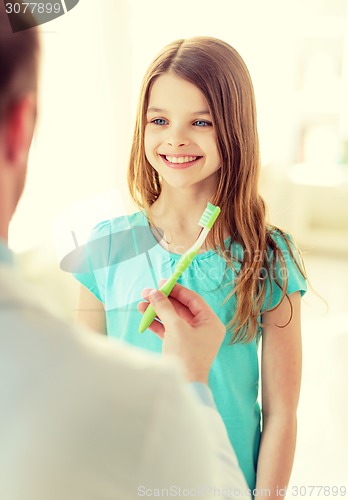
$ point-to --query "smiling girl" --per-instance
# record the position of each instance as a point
(196, 141)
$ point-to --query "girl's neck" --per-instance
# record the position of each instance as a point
(177, 215)
(180, 209)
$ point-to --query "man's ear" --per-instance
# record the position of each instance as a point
(19, 129)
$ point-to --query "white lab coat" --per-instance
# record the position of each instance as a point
(83, 417)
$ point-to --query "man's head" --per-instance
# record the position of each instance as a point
(19, 54)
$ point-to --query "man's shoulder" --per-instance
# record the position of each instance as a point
(37, 334)
(76, 397)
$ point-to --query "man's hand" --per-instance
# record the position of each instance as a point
(190, 329)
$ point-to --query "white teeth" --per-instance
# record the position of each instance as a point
(181, 159)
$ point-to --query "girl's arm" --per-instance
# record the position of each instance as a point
(281, 365)
(90, 311)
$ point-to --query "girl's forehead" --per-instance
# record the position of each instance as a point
(171, 91)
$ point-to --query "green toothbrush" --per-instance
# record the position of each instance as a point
(207, 220)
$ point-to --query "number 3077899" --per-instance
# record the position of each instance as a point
(33, 8)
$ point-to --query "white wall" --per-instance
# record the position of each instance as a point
(81, 144)
(93, 60)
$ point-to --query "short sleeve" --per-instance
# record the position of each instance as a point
(296, 280)
(91, 262)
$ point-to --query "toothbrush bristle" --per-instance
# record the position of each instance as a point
(209, 216)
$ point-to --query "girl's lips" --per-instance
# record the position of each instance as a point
(180, 166)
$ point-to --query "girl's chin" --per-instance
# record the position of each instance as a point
(168, 182)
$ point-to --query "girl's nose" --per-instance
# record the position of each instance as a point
(176, 144)
(177, 139)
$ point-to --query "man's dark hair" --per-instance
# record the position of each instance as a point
(19, 54)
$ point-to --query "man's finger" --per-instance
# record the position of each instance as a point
(180, 309)
(158, 328)
(142, 306)
(163, 308)
(146, 292)
(192, 300)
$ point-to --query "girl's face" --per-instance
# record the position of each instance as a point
(180, 139)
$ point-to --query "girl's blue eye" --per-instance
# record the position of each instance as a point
(159, 121)
(202, 123)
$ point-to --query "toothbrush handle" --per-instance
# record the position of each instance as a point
(150, 314)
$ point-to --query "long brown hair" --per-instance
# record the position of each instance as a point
(220, 73)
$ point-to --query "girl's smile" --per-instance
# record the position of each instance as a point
(180, 161)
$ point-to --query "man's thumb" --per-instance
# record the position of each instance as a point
(162, 306)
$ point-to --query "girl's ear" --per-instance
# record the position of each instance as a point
(19, 128)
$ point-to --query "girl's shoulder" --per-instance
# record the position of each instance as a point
(280, 239)
(282, 250)
(109, 227)
(284, 260)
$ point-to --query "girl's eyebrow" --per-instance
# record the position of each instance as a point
(159, 110)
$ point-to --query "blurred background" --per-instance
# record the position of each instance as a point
(93, 61)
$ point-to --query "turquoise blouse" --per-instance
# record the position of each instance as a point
(122, 257)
